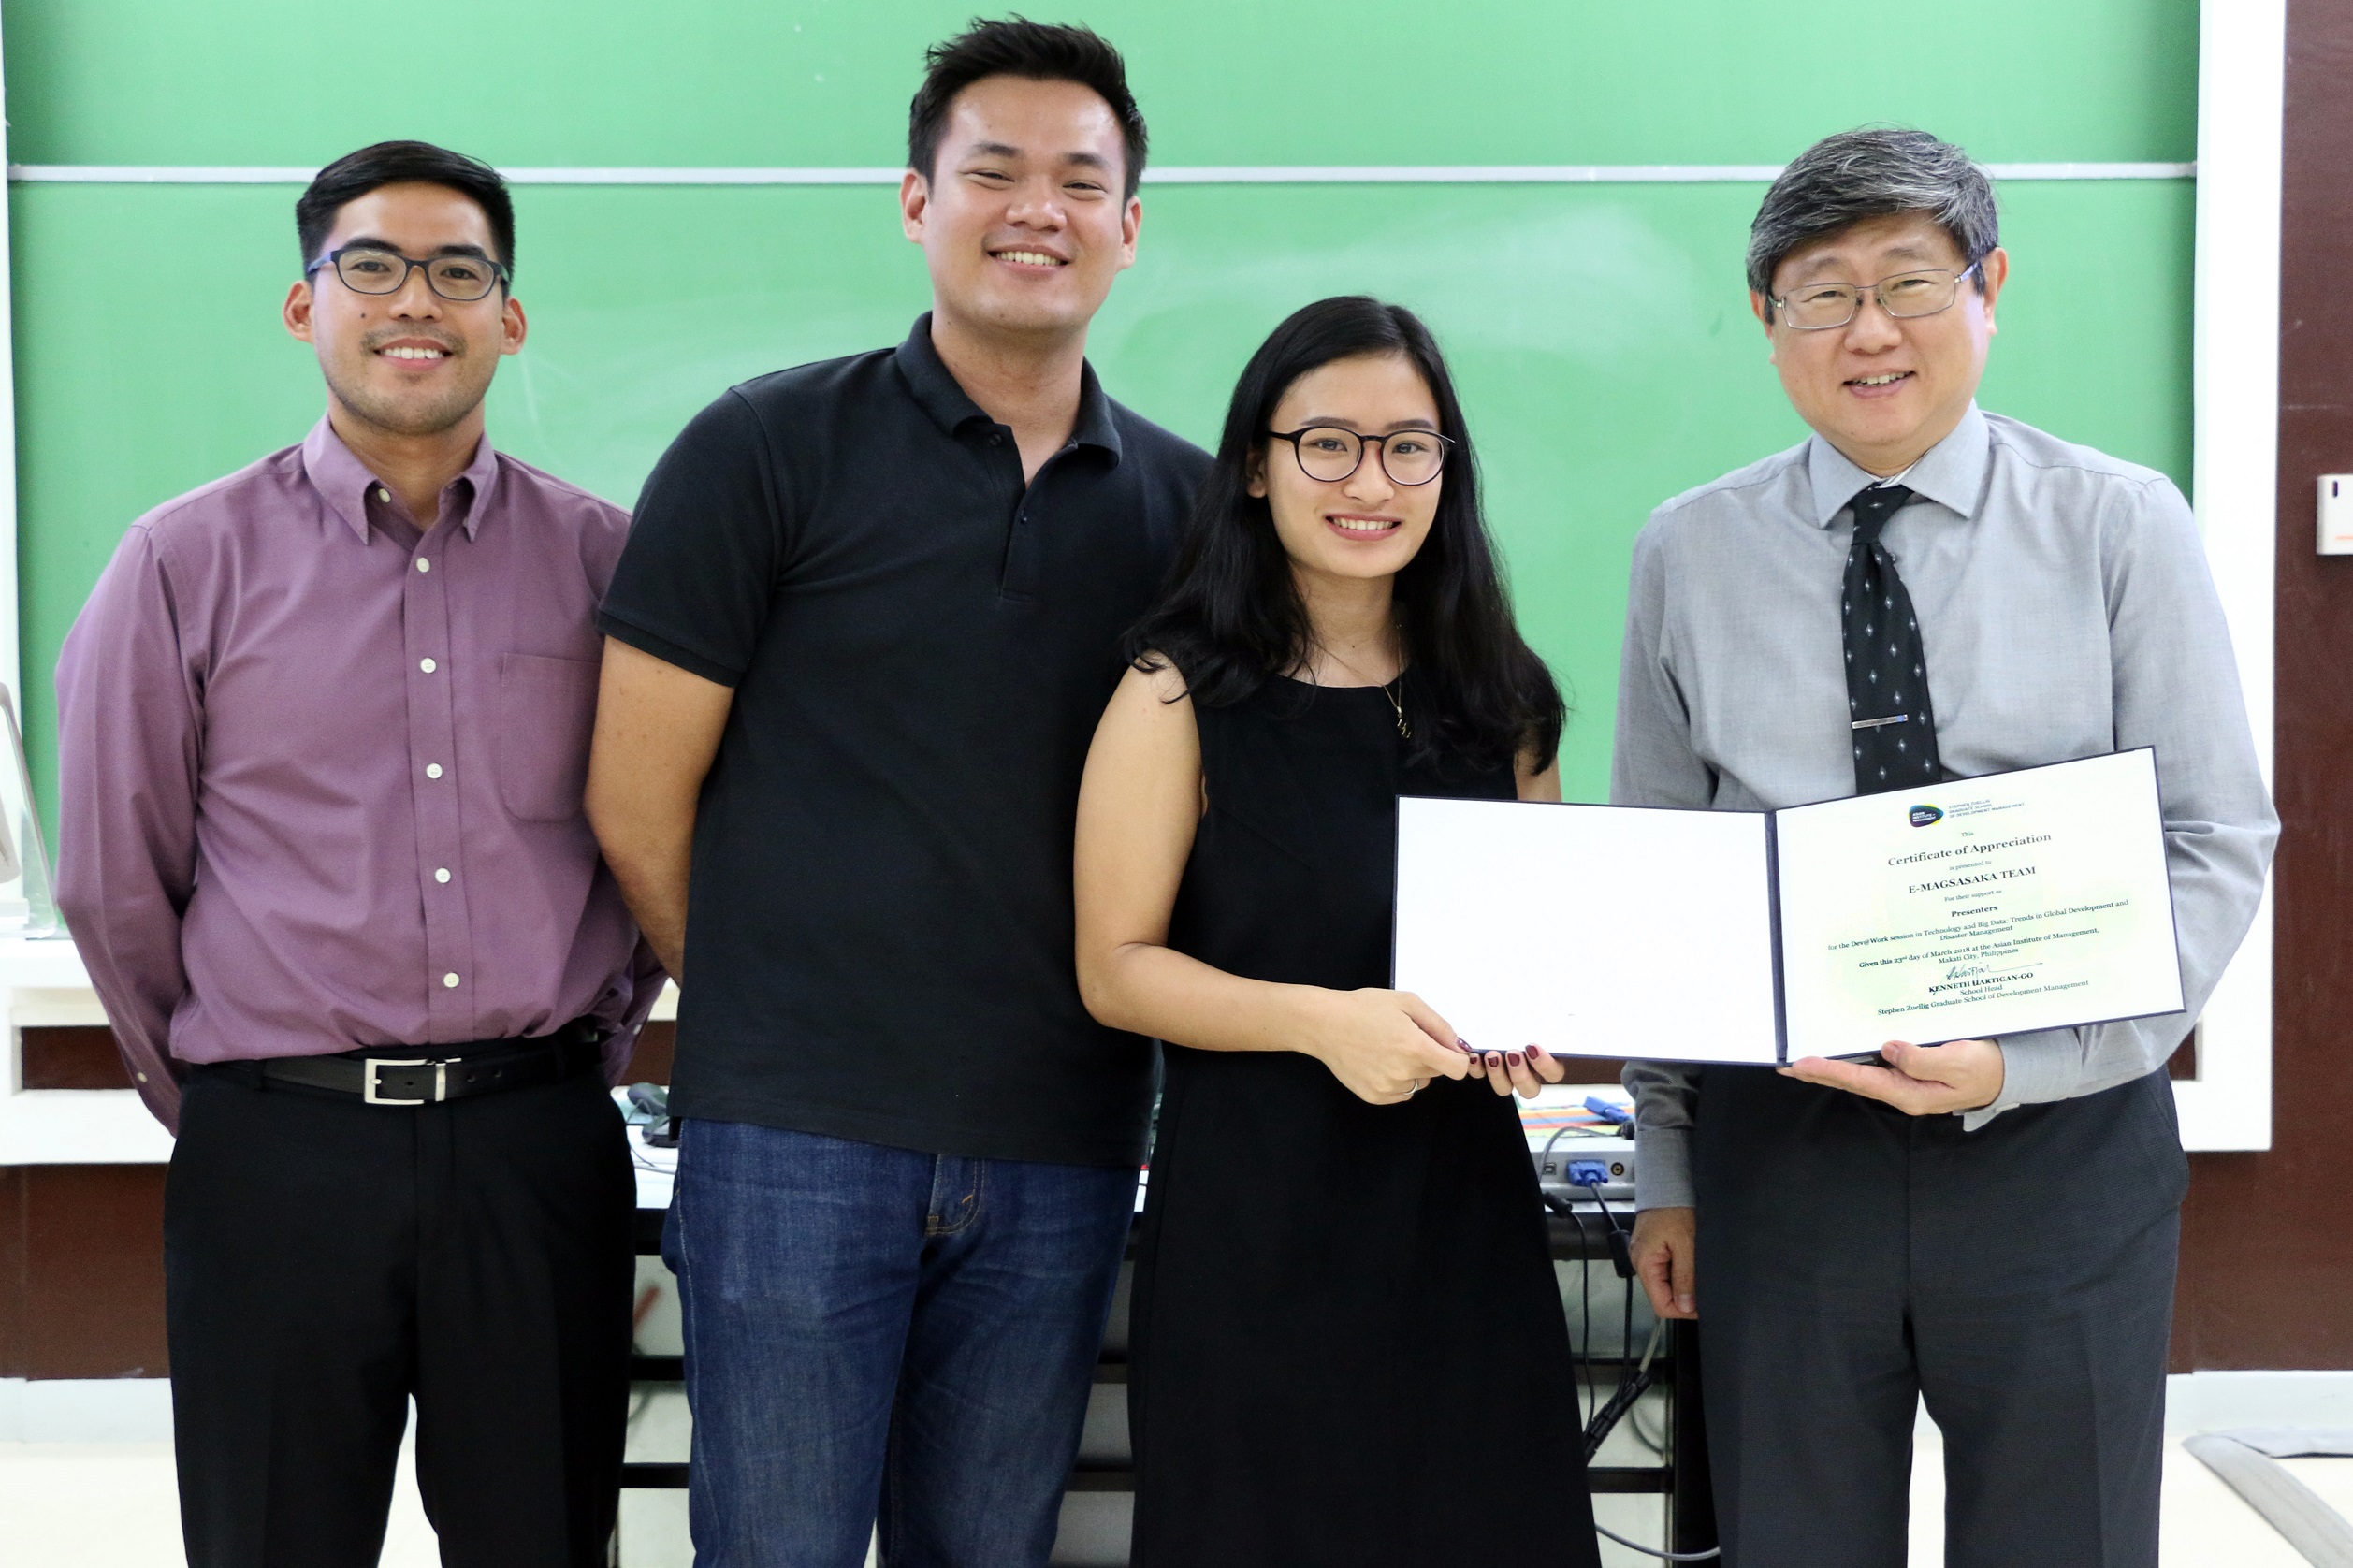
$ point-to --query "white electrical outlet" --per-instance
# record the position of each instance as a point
(2336, 514)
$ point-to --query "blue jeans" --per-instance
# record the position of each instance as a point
(879, 1336)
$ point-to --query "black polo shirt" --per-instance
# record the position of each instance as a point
(880, 927)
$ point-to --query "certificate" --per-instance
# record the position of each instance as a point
(2017, 901)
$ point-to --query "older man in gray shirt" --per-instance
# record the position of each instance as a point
(1921, 591)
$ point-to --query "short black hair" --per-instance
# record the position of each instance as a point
(1038, 51)
(393, 163)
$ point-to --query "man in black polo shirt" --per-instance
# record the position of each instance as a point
(860, 638)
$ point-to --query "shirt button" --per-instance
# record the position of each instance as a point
(449, 981)
(424, 565)
(427, 665)
(441, 874)
(432, 770)
(142, 1078)
(384, 496)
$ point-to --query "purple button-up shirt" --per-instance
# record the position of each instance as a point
(321, 774)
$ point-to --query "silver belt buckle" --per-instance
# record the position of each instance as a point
(368, 1085)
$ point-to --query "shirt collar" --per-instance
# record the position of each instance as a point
(344, 480)
(939, 395)
(1952, 472)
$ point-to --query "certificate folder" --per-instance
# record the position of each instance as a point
(1983, 907)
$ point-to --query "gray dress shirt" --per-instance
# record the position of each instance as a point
(2067, 611)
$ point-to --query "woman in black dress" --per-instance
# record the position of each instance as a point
(1348, 1346)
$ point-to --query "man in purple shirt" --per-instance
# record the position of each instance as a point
(324, 727)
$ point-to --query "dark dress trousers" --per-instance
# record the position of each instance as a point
(326, 1261)
(2020, 1278)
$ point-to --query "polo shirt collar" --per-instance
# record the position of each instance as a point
(943, 399)
(340, 476)
(1951, 473)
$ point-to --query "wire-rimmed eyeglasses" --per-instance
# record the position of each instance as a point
(1331, 453)
(1818, 307)
(461, 278)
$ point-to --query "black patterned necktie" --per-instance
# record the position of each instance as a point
(1895, 728)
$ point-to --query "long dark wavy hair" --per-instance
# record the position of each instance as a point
(1231, 618)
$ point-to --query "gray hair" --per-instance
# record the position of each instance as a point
(1842, 180)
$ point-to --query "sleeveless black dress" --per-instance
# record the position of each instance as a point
(1348, 1345)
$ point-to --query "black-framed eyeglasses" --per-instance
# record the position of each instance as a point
(459, 279)
(1329, 452)
(1818, 307)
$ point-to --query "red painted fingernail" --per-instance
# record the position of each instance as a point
(1513, 1057)
(1462, 1045)
(1494, 1059)
(1534, 1051)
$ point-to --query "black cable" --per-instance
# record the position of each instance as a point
(1620, 1237)
(1631, 1387)
(1620, 1402)
(1606, 1418)
(1622, 1254)
(1626, 1339)
(1632, 1382)
(1587, 1398)
(1590, 1403)
(1621, 1258)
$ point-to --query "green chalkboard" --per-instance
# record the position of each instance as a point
(1600, 332)
(1223, 82)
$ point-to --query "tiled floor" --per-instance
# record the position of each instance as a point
(2205, 1525)
(115, 1505)
(111, 1506)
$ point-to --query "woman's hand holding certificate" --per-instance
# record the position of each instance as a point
(1384, 1046)
(1523, 1072)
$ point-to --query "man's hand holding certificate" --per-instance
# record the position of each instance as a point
(1983, 906)
(1917, 1080)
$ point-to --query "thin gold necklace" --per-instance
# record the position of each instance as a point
(1393, 691)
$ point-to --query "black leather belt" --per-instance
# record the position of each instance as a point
(428, 1075)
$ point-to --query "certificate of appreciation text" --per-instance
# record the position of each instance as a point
(2018, 901)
